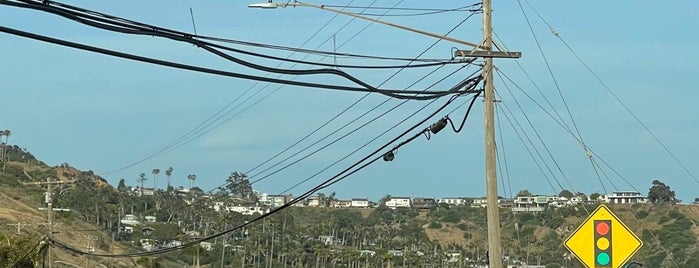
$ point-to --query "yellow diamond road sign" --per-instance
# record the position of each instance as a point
(603, 241)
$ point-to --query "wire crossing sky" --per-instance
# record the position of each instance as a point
(99, 113)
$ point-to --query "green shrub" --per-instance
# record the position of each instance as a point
(435, 225)
(462, 226)
(642, 214)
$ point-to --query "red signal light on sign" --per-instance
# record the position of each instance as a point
(603, 243)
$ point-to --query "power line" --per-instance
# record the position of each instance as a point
(611, 92)
(117, 24)
(201, 129)
(388, 92)
(346, 109)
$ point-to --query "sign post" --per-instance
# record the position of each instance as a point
(603, 241)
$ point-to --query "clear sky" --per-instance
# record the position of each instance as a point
(102, 113)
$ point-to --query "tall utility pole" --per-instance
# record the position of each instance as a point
(493, 209)
(49, 206)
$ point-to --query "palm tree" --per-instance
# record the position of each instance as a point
(5, 133)
(155, 172)
(168, 173)
(142, 178)
(191, 178)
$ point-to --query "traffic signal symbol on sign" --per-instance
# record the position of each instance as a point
(603, 243)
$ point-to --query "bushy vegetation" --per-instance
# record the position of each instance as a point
(291, 237)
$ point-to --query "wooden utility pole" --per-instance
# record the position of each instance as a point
(49, 206)
(493, 208)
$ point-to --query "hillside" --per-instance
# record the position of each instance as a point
(300, 236)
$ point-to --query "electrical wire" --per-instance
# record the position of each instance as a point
(111, 23)
(201, 129)
(342, 112)
(616, 97)
(392, 93)
(16, 262)
(356, 149)
(470, 83)
(122, 30)
(210, 48)
(428, 11)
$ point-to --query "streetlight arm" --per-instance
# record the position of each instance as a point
(270, 5)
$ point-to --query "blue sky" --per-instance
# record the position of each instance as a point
(102, 113)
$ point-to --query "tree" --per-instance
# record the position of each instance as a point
(155, 172)
(5, 133)
(141, 179)
(566, 194)
(122, 185)
(524, 192)
(661, 193)
(191, 178)
(594, 196)
(168, 173)
(239, 186)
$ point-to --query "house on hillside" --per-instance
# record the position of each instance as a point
(398, 202)
(360, 203)
(625, 197)
(313, 201)
(341, 203)
(424, 203)
(453, 201)
(275, 201)
(506, 202)
(479, 202)
(532, 203)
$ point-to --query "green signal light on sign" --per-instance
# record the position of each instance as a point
(603, 243)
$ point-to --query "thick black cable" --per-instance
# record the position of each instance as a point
(95, 19)
(472, 83)
(365, 113)
(457, 130)
(13, 265)
(147, 26)
(388, 92)
(201, 129)
(206, 47)
(382, 103)
(358, 148)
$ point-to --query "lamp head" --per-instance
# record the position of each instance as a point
(268, 5)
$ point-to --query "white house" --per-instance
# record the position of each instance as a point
(313, 201)
(453, 201)
(129, 219)
(360, 203)
(534, 203)
(479, 202)
(150, 218)
(278, 200)
(208, 246)
(398, 202)
(625, 197)
(341, 203)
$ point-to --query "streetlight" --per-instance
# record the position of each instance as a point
(272, 5)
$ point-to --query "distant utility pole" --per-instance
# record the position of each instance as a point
(49, 206)
(19, 226)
